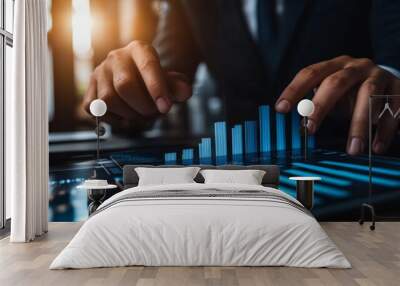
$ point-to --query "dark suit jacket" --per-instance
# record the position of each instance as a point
(215, 31)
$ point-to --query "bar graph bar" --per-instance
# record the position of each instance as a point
(205, 154)
(237, 144)
(170, 158)
(221, 147)
(187, 156)
(280, 132)
(265, 128)
(311, 142)
(250, 135)
(248, 138)
(296, 138)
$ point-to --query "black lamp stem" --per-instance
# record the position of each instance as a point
(98, 138)
(98, 148)
(305, 138)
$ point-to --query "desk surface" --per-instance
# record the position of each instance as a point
(87, 187)
(338, 195)
(305, 178)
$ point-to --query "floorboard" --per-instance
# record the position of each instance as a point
(375, 257)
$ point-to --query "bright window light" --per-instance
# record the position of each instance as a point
(82, 21)
(81, 28)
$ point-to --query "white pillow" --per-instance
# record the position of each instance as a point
(165, 176)
(248, 177)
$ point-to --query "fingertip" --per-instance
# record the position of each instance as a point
(282, 106)
(355, 146)
(180, 86)
(163, 104)
(379, 147)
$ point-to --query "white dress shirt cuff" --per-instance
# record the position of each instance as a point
(393, 71)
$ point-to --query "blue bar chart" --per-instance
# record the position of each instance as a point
(265, 129)
(280, 132)
(205, 154)
(311, 142)
(170, 158)
(187, 156)
(296, 138)
(250, 135)
(221, 143)
(237, 144)
(272, 132)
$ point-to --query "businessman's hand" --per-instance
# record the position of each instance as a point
(134, 85)
(346, 78)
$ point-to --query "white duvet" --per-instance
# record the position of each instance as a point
(200, 231)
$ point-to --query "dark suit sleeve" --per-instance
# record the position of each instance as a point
(385, 27)
(174, 40)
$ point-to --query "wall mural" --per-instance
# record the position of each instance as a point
(233, 114)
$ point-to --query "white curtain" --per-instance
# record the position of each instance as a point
(27, 124)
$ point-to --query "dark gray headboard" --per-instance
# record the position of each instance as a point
(271, 177)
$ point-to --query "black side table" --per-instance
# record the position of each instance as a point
(96, 195)
(305, 190)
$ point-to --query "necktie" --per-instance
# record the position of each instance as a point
(267, 32)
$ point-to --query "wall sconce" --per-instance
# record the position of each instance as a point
(305, 108)
(98, 108)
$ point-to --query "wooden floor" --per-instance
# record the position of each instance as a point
(375, 257)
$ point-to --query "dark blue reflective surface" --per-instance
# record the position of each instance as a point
(338, 196)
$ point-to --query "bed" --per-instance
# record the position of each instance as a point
(197, 224)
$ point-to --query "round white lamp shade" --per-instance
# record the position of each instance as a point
(98, 107)
(305, 107)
